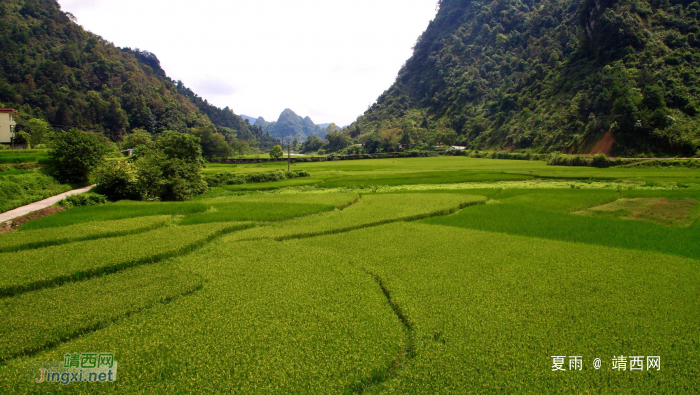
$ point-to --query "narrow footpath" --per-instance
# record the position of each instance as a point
(20, 211)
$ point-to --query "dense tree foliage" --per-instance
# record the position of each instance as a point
(276, 152)
(550, 76)
(75, 155)
(170, 169)
(54, 72)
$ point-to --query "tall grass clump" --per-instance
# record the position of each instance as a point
(20, 189)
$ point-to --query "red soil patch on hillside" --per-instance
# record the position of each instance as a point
(604, 146)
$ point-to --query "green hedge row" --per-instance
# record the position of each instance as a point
(216, 180)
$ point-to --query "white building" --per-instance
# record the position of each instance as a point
(7, 125)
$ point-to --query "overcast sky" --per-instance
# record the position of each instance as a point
(328, 59)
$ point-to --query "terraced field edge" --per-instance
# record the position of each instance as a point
(87, 274)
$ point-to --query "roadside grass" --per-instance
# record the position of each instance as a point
(254, 211)
(40, 320)
(488, 310)
(28, 239)
(119, 210)
(29, 270)
(271, 317)
(547, 215)
(20, 189)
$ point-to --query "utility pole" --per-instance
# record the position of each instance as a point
(288, 157)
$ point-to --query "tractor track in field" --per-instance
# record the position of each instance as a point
(407, 351)
(83, 275)
(98, 326)
(346, 229)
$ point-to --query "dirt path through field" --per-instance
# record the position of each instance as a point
(20, 211)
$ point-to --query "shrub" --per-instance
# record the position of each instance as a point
(74, 155)
(118, 180)
(215, 180)
(83, 199)
(599, 160)
(276, 152)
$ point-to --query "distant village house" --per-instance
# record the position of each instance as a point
(7, 125)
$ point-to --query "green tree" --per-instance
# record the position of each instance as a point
(337, 140)
(74, 155)
(180, 145)
(240, 147)
(117, 180)
(276, 152)
(138, 137)
(214, 144)
(311, 144)
(39, 131)
(23, 138)
(295, 144)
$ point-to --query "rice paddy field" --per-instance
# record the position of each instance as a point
(405, 276)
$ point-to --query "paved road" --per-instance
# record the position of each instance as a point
(20, 211)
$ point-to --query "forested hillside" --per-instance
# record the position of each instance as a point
(53, 70)
(549, 76)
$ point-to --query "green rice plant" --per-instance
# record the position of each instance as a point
(119, 210)
(271, 317)
(254, 211)
(34, 269)
(313, 197)
(437, 177)
(262, 186)
(43, 319)
(487, 311)
(546, 215)
(370, 210)
(28, 239)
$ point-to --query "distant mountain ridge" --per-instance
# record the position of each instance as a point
(289, 126)
(250, 120)
(52, 69)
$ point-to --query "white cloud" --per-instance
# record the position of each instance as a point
(328, 59)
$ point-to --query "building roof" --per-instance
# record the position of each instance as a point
(10, 110)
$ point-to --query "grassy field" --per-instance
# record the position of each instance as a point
(18, 188)
(405, 276)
